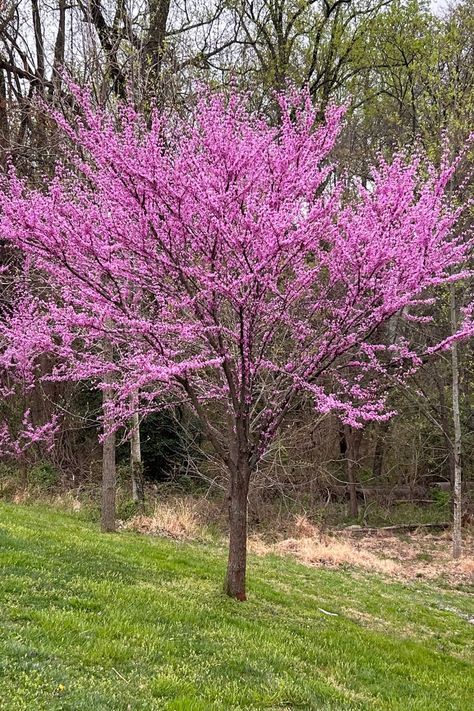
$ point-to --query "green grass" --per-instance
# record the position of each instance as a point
(114, 622)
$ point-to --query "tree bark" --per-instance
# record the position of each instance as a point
(109, 476)
(59, 47)
(4, 121)
(234, 584)
(155, 40)
(353, 503)
(352, 443)
(379, 450)
(39, 43)
(445, 426)
(136, 465)
(107, 522)
(457, 484)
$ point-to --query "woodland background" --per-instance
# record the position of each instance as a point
(407, 74)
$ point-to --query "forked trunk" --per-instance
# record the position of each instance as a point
(234, 584)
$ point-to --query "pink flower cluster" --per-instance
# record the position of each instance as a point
(226, 265)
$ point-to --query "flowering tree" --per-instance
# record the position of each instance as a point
(225, 266)
(24, 335)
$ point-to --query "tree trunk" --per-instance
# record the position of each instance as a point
(136, 465)
(4, 122)
(457, 488)
(353, 503)
(379, 450)
(107, 522)
(59, 48)
(234, 584)
(353, 439)
(39, 43)
(445, 427)
(155, 39)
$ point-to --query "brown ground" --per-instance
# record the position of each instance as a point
(403, 555)
(413, 555)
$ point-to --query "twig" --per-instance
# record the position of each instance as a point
(120, 675)
(398, 527)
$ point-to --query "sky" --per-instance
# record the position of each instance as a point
(438, 6)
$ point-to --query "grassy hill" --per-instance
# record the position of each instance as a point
(115, 622)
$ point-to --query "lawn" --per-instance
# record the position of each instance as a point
(109, 622)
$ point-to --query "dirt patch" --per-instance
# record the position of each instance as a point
(330, 551)
(426, 555)
(413, 555)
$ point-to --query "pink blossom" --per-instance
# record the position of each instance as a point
(227, 266)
